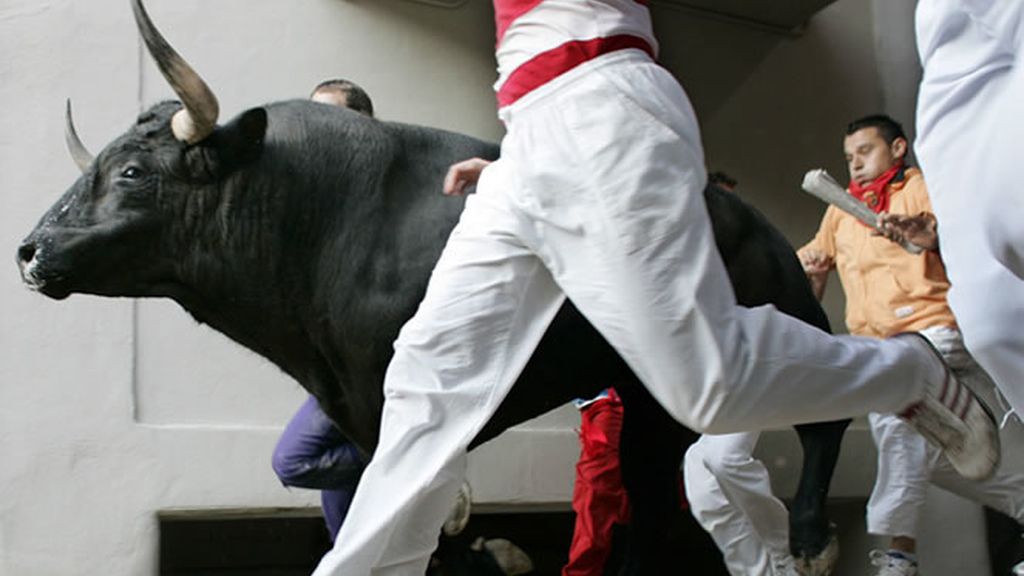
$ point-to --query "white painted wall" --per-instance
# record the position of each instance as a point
(112, 410)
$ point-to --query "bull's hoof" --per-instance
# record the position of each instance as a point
(823, 563)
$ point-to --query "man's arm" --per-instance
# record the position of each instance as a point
(920, 230)
(462, 175)
(817, 266)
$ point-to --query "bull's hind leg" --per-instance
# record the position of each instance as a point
(812, 539)
(651, 448)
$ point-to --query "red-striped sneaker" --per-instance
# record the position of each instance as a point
(953, 418)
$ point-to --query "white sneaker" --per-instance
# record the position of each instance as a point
(953, 418)
(461, 509)
(509, 557)
(889, 565)
(784, 566)
(1018, 570)
(825, 562)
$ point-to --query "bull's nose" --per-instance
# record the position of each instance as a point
(26, 253)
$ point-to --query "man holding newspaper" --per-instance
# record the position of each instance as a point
(881, 237)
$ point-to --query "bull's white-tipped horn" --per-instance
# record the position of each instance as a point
(199, 116)
(79, 154)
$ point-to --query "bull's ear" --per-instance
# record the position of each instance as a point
(241, 140)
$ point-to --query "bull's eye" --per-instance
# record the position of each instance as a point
(131, 173)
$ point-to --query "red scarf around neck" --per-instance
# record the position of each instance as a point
(876, 194)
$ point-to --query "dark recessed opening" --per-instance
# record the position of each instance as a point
(252, 543)
(290, 543)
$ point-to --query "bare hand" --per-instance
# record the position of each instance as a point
(462, 175)
(815, 262)
(920, 230)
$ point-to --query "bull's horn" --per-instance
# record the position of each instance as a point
(79, 154)
(199, 116)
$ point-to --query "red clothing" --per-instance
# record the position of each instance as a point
(876, 194)
(599, 498)
(538, 40)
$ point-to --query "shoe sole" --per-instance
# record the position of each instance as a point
(971, 442)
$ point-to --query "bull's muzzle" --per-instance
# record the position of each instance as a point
(36, 275)
(27, 264)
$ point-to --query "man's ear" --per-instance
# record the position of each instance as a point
(241, 140)
(899, 148)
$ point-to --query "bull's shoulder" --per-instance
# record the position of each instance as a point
(761, 262)
(313, 125)
(734, 221)
(425, 141)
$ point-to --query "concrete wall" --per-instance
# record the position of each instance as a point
(113, 410)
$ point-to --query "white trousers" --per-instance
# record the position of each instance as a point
(731, 497)
(970, 141)
(597, 196)
(730, 492)
(907, 463)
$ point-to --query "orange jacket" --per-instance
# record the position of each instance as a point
(888, 290)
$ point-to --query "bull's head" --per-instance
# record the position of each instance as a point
(110, 233)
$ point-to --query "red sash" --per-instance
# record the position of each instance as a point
(876, 194)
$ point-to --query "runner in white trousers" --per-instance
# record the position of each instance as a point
(907, 464)
(730, 491)
(598, 197)
(730, 495)
(970, 142)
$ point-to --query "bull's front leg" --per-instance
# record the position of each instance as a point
(812, 539)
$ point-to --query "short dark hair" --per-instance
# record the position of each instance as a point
(719, 178)
(888, 128)
(355, 96)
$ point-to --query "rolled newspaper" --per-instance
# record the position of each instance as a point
(819, 183)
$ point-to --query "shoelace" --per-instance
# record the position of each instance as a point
(878, 558)
(1008, 411)
(884, 560)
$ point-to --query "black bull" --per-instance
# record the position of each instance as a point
(307, 234)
